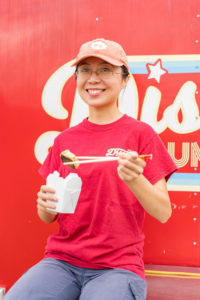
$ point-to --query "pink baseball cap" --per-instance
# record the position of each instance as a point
(107, 50)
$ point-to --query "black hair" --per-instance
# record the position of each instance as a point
(125, 72)
(75, 72)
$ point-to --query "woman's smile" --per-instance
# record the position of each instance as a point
(95, 92)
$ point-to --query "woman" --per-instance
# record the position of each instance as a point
(97, 253)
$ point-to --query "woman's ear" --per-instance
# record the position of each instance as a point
(125, 81)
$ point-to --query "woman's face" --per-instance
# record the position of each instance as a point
(99, 90)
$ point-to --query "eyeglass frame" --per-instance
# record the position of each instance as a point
(124, 74)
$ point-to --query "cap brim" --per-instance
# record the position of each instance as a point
(107, 59)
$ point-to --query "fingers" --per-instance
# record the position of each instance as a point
(130, 166)
(132, 161)
(47, 189)
(46, 193)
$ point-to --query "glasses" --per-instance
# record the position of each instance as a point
(103, 73)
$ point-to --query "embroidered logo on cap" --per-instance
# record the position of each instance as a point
(98, 45)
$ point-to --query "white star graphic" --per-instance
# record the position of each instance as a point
(156, 70)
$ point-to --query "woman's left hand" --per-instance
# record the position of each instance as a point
(153, 198)
(130, 166)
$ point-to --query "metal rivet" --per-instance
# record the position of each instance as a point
(194, 219)
(198, 16)
(195, 194)
(194, 243)
(195, 169)
(97, 19)
(196, 92)
(196, 41)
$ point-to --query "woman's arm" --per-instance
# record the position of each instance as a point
(154, 198)
(46, 193)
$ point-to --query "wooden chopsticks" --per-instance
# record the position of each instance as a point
(95, 159)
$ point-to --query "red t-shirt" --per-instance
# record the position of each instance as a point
(106, 229)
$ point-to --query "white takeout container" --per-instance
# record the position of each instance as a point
(67, 191)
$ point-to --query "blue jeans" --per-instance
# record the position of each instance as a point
(53, 279)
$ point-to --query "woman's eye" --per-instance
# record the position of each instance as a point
(105, 70)
(85, 70)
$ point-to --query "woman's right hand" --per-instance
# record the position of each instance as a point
(46, 193)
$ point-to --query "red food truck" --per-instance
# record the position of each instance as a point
(39, 40)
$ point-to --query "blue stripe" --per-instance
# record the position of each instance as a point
(185, 179)
(171, 66)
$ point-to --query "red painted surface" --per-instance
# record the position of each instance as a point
(38, 37)
(183, 283)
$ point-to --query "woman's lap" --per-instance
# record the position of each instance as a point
(56, 280)
(115, 284)
(45, 280)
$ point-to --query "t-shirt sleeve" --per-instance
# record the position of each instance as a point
(52, 162)
(161, 165)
